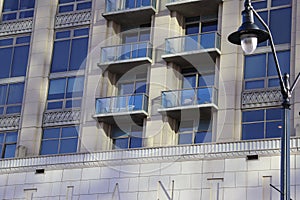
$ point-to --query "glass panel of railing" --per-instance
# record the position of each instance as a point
(122, 104)
(126, 52)
(192, 42)
(114, 5)
(196, 96)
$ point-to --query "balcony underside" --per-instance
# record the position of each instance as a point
(205, 57)
(121, 117)
(122, 66)
(184, 112)
(195, 7)
(131, 16)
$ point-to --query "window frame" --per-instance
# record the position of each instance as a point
(65, 99)
(74, 3)
(13, 47)
(199, 20)
(59, 139)
(6, 105)
(265, 121)
(4, 144)
(18, 12)
(70, 38)
(137, 31)
(127, 134)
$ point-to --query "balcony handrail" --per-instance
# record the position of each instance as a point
(195, 34)
(127, 95)
(194, 88)
(120, 5)
(131, 43)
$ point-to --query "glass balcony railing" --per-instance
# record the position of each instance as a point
(119, 5)
(193, 42)
(118, 104)
(126, 52)
(188, 97)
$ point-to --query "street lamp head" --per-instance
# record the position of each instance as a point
(249, 34)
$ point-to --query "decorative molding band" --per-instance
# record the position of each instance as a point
(9, 122)
(73, 19)
(146, 155)
(15, 27)
(259, 98)
(54, 118)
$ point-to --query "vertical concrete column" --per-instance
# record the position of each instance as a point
(37, 75)
(161, 77)
(296, 63)
(93, 136)
(230, 75)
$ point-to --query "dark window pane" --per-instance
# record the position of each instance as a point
(255, 66)
(57, 89)
(69, 132)
(264, 16)
(20, 59)
(254, 84)
(75, 87)
(9, 151)
(253, 131)
(15, 93)
(54, 105)
(140, 87)
(51, 133)
(253, 116)
(284, 63)
(192, 29)
(73, 103)
(68, 145)
(83, 6)
(274, 114)
(11, 16)
(136, 142)
(81, 32)
(5, 57)
(274, 82)
(280, 2)
(260, 4)
(6, 42)
(274, 129)
(22, 40)
(203, 137)
(60, 60)
(25, 4)
(13, 109)
(26, 14)
(126, 88)
(206, 80)
(209, 26)
(1, 110)
(144, 36)
(63, 34)
(3, 91)
(49, 147)
(117, 132)
(189, 81)
(185, 138)
(121, 143)
(78, 53)
(68, 8)
(1, 138)
(11, 137)
(65, 1)
(10, 5)
(280, 20)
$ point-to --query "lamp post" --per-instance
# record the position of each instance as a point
(248, 36)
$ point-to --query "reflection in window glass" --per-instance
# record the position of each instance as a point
(263, 123)
(11, 98)
(73, 5)
(17, 9)
(59, 140)
(127, 136)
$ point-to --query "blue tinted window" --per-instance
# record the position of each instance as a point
(11, 137)
(209, 26)
(75, 87)
(9, 151)
(73, 103)
(203, 137)
(67, 8)
(254, 84)
(10, 5)
(185, 138)
(59, 140)
(260, 4)
(255, 115)
(280, 20)
(8, 145)
(253, 131)
(274, 129)
(63, 34)
(5, 57)
(57, 89)
(3, 91)
(60, 58)
(255, 66)
(15, 93)
(6, 42)
(274, 114)
(25, 4)
(83, 6)
(280, 2)
(21, 40)
(65, 1)
(11, 16)
(19, 65)
(135, 142)
(81, 32)
(189, 81)
(121, 143)
(192, 29)
(55, 105)
(284, 63)
(13, 109)
(78, 53)
(26, 14)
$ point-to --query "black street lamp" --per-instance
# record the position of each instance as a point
(248, 36)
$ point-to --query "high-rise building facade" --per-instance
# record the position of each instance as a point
(143, 100)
